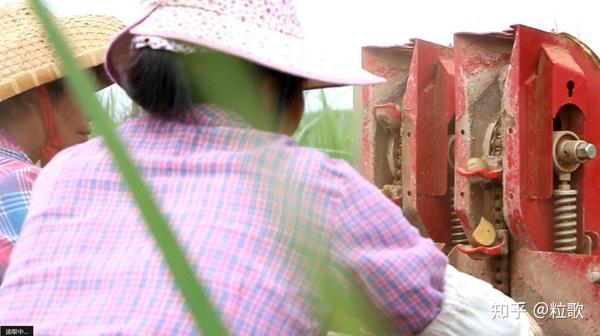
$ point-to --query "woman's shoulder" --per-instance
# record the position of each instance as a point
(17, 175)
(312, 163)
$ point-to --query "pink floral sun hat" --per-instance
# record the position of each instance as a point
(266, 32)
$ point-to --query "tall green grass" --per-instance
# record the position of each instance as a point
(118, 106)
(329, 130)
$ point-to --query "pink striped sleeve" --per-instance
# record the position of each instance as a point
(402, 272)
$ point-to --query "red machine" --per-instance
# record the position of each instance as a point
(497, 163)
(382, 147)
(481, 62)
(551, 190)
(427, 124)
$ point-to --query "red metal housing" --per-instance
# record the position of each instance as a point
(505, 97)
(392, 63)
(428, 119)
(553, 84)
(481, 63)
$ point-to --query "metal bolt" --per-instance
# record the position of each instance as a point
(388, 116)
(594, 277)
(586, 151)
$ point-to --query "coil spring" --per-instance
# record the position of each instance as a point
(565, 218)
(458, 235)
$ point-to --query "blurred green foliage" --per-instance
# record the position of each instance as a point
(330, 130)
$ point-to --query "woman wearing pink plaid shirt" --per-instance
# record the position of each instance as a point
(38, 116)
(222, 83)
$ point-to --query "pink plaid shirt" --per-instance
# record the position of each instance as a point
(238, 200)
(17, 174)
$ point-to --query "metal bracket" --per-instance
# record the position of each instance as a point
(491, 175)
(484, 252)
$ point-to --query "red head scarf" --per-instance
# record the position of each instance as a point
(54, 143)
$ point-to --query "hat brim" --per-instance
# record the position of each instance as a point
(275, 50)
(36, 64)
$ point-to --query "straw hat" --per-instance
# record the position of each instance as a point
(27, 60)
(265, 32)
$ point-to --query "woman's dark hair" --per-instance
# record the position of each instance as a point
(160, 81)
